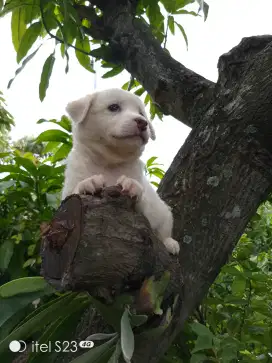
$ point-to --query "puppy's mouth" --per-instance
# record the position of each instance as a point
(130, 137)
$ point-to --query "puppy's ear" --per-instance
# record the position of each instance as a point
(152, 131)
(78, 109)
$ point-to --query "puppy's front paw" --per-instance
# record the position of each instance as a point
(90, 185)
(130, 187)
(171, 245)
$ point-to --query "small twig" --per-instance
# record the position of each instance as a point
(130, 83)
(245, 310)
(166, 33)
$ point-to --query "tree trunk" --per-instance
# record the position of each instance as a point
(218, 178)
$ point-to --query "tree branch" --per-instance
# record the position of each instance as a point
(176, 89)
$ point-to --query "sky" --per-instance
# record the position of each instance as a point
(227, 23)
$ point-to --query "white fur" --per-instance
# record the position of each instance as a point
(106, 150)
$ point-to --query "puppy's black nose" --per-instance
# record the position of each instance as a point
(142, 124)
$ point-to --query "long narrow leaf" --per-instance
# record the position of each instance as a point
(28, 39)
(84, 59)
(45, 76)
(26, 60)
(18, 26)
(127, 337)
(22, 286)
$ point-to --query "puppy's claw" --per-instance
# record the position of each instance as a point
(130, 187)
(171, 245)
(90, 185)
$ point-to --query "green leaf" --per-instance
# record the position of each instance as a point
(51, 146)
(18, 26)
(11, 169)
(27, 164)
(155, 183)
(139, 91)
(231, 270)
(171, 6)
(111, 316)
(62, 328)
(54, 135)
(24, 63)
(94, 355)
(116, 354)
(104, 52)
(101, 336)
(259, 277)
(3, 155)
(46, 74)
(62, 152)
(138, 320)
(44, 306)
(22, 286)
(11, 306)
(203, 342)
(200, 329)
(84, 59)
(28, 39)
(155, 16)
(198, 358)
(147, 99)
(183, 33)
(32, 11)
(127, 337)
(171, 24)
(186, 12)
(12, 5)
(238, 286)
(158, 331)
(203, 7)
(159, 173)
(113, 72)
(151, 161)
(234, 300)
(65, 122)
(6, 252)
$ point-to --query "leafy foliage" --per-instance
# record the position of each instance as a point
(29, 194)
(34, 21)
(234, 322)
(6, 122)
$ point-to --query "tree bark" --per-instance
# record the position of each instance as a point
(223, 171)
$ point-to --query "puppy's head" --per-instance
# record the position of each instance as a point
(113, 118)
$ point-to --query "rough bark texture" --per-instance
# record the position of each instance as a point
(220, 175)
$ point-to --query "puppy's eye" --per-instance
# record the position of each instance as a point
(114, 107)
(141, 113)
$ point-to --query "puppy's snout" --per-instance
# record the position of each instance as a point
(142, 124)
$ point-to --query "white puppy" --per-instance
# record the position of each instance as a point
(110, 130)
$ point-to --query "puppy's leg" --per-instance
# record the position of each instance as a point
(90, 185)
(130, 187)
(164, 229)
(159, 216)
(154, 209)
